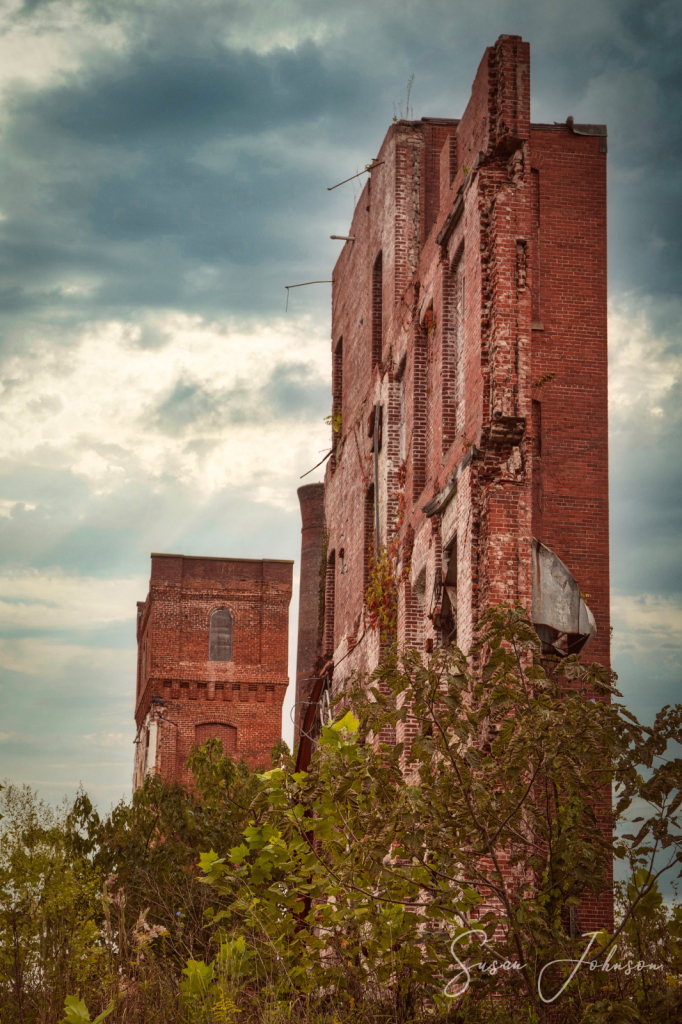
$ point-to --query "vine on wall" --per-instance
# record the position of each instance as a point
(381, 595)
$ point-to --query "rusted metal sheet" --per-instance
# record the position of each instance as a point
(561, 618)
(598, 130)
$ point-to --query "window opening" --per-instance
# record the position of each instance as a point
(444, 602)
(220, 633)
(377, 309)
(369, 540)
(337, 391)
(329, 599)
(402, 398)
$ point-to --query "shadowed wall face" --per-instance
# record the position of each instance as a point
(311, 498)
(212, 660)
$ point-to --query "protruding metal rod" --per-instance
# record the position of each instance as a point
(368, 168)
(318, 464)
(344, 238)
(301, 285)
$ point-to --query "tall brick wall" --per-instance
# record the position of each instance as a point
(491, 233)
(311, 498)
(188, 686)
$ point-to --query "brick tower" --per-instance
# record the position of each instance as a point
(212, 660)
(469, 390)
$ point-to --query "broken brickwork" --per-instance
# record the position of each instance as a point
(212, 660)
(470, 312)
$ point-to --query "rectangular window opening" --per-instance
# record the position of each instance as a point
(329, 606)
(448, 612)
(377, 310)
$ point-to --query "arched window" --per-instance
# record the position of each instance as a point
(220, 635)
(227, 734)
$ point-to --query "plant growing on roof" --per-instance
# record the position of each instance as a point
(408, 112)
(335, 421)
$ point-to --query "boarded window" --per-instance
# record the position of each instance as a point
(220, 635)
(227, 734)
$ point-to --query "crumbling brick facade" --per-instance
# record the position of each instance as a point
(469, 315)
(212, 641)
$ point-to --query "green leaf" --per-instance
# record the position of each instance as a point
(105, 1013)
(207, 860)
(349, 722)
(77, 1012)
(199, 977)
(238, 853)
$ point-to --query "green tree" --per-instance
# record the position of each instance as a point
(494, 830)
(50, 909)
(96, 910)
(159, 910)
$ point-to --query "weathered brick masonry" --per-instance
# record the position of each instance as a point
(311, 498)
(212, 660)
(471, 308)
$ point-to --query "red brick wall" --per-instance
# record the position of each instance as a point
(311, 498)
(573, 486)
(473, 317)
(245, 694)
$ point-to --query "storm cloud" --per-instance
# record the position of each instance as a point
(165, 173)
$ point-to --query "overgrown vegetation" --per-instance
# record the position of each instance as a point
(381, 593)
(360, 890)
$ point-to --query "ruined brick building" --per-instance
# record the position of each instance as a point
(212, 660)
(469, 389)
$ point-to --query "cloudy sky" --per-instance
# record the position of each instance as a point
(163, 176)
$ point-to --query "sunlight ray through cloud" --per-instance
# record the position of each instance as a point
(165, 174)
